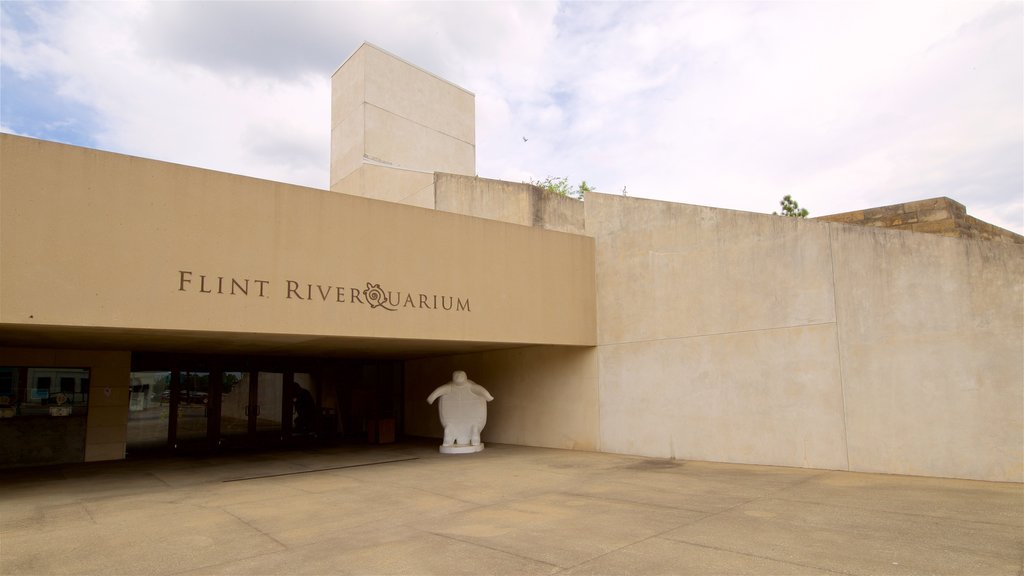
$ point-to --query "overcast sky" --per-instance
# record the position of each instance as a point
(844, 105)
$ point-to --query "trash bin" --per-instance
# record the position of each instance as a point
(380, 431)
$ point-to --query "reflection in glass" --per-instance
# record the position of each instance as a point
(193, 398)
(8, 392)
(269, 401)
(56, 392)
(234, 405)
(303, 392)
(148, 410)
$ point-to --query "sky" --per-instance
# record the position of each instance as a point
(843, 105)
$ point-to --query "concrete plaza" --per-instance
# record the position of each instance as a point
(405, 509)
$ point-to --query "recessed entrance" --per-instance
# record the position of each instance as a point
(197, 404)
(252, 408)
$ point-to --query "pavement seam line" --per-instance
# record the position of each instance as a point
(635, 502)
(914, 514)
(247, 523)
(472, 543)
(743, 503)
(318, 470)
(769, 558)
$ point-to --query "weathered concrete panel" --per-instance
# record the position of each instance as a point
(387, 111)
(674, 270)
(348, 97)
(513, 202)
(413, 93)
(761, 397)
(483, 198)
(347, 149)
(404, 143)
(933, 359)
(409, 187)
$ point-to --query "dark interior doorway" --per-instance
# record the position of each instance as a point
(206, 403)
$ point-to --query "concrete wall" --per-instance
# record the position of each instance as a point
(742, 337)
(513, 202)
(932, 353)
(717, 337)
(393, 125)
(107, 421)
(402, 186)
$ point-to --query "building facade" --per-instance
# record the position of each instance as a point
(149, 305)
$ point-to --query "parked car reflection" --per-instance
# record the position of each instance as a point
(185, 397)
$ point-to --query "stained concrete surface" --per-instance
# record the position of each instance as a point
(404, 509)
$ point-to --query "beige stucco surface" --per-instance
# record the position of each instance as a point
(543, 395)
(105, 239)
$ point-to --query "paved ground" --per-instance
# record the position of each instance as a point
(405, 509)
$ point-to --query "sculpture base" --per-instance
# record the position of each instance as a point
(461, 448)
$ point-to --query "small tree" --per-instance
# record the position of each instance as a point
(791, 208)
(560, 186)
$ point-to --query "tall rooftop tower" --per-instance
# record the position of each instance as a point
(393, 125)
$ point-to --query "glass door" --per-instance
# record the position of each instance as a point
(303, 405)
(268, 406)
(149, 411)
(191, 405)
(251, 405)
(235, 408)
(202, 406)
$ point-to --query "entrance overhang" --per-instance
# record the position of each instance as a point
(236, 343)
(105, 249)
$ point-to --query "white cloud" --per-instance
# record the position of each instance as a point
(845, 105)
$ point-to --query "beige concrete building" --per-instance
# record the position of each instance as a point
(151, 306)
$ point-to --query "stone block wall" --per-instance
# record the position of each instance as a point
(942, 216)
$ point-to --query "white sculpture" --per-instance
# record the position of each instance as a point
(463, 409)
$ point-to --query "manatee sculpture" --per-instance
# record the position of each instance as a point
(463, 409)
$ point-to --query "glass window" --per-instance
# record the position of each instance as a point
(45, 392)
(193, 400)
(8, 392)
